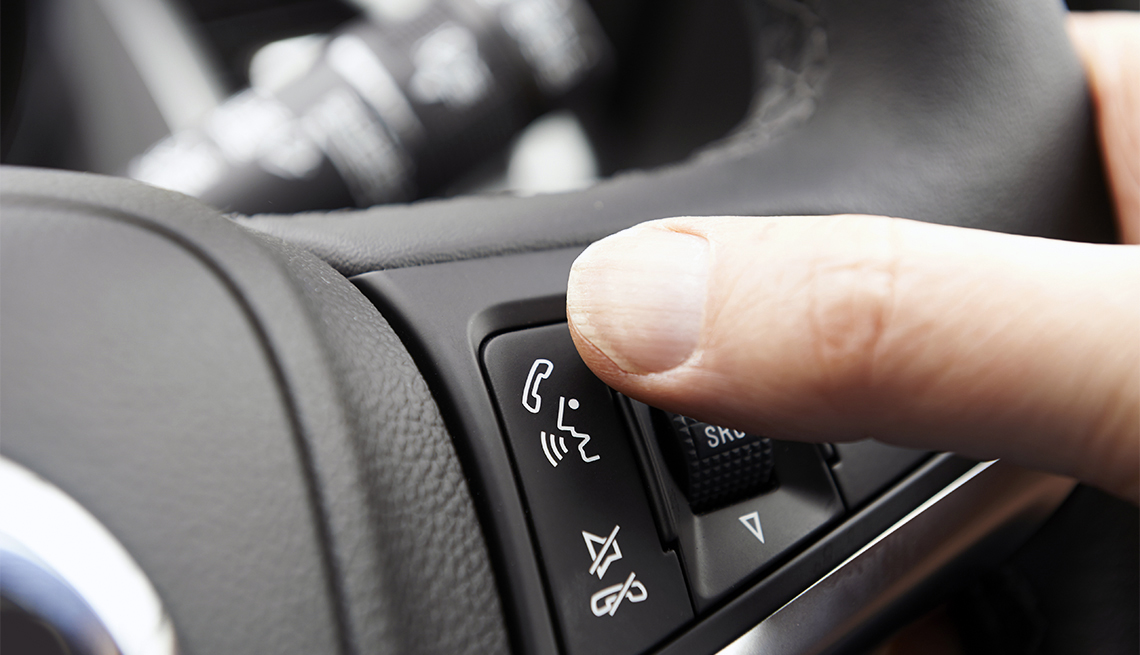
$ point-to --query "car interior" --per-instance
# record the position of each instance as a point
(284, 360)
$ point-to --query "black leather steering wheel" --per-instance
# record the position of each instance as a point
(284, 419)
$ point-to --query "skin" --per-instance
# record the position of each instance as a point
(847, 327)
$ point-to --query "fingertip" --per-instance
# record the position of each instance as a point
(638, 297)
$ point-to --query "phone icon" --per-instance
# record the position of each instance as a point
(530, 398)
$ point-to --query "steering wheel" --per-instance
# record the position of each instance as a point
(292, 426)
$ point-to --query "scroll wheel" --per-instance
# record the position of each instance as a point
(714, 465)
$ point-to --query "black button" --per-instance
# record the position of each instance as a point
(724, 549)
(614, 589)
(864, 468)
(729, 546)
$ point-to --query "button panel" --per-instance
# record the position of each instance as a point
(613, 587)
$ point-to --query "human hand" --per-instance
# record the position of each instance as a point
(846, 327)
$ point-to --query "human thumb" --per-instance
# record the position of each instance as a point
(846, 327)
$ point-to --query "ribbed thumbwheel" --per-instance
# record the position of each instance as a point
(714, 465)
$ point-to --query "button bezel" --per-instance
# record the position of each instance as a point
(444, 312)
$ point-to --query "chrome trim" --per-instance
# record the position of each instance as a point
(990, 499)
(41, 524)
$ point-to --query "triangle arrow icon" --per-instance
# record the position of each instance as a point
(752, 522)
